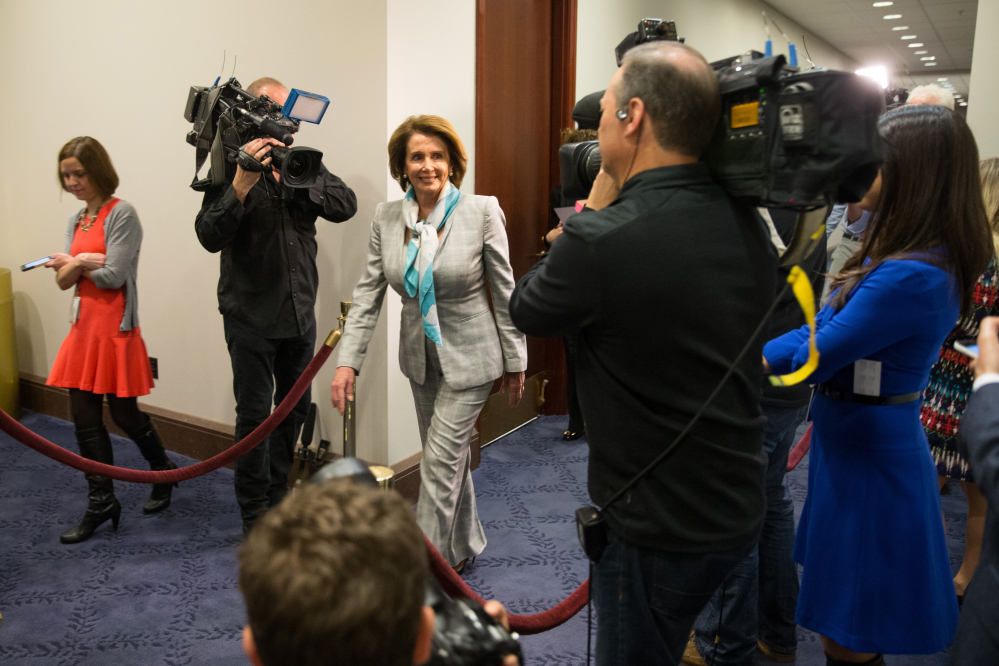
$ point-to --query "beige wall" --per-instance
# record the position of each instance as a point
(120, 71)
(983, 94)
(716, 28)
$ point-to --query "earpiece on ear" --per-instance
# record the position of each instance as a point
(622, 114)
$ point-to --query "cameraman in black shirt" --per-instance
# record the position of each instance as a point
(663, 284)
(266, 233)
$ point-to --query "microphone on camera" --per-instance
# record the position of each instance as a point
(271, 128)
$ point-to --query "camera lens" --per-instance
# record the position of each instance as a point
(297, 166)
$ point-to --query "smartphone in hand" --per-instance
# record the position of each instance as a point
(34, 264)
(967, 347)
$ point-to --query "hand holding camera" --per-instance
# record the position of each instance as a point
(257, 150)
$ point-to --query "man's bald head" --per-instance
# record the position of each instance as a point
(679, 90)
(270, 87)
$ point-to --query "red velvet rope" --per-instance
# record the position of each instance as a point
(449, 580)
(56, 452)
(799, 451)
(523, 624)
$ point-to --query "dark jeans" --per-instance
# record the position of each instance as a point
(761, 593)
(647, 600)
(263, 373)
(575, 413)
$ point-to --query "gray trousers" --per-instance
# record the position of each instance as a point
(847, 248)
(446, 511)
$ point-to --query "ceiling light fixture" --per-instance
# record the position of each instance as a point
(943, 79)
(928, 58)
(908, 36)
(901, 27)
(891, 17)
(964, 104)
(915, 45)
(883, 4)
(878, 73)
(920, 52)
(929, 64)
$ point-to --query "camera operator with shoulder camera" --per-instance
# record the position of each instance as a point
(663, 283)
(337, 574)
(266, 233)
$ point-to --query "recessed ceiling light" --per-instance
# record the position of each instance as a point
(901, 27)
(920, 52)
(964, 104)
(943, 79)
(890, 17)
(930, 64)
(928, 58)
(883, 4)
(915, 45)
(908, 36)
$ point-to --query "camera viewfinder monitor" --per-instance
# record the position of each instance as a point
(306, 106)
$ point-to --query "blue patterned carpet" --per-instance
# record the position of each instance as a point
(162, 590)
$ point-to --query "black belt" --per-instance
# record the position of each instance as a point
(876, 400)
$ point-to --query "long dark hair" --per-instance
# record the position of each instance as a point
(931, 198)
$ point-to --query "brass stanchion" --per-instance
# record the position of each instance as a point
(385, 476)
(350, 408)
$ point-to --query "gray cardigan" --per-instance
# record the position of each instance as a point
(122, 238)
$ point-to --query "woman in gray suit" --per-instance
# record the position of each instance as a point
(437, 248)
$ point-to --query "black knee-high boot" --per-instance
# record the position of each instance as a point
(102, 505)
(878, 660)
(151, 447)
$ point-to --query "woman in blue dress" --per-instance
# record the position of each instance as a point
(876, 575)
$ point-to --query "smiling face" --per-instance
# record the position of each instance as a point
(75, 180)
(427, 164)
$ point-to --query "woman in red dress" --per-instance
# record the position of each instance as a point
(103, 353)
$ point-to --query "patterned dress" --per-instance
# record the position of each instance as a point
(950, 382)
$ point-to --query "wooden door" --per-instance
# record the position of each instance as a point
(525, 89)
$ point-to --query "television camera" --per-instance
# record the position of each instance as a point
(785, 138)
(226, 118)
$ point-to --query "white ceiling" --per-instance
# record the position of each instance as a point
(945, 28)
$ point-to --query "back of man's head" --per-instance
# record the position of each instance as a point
(262, 84)
(931, 94)
(335, 574)
(679, 90)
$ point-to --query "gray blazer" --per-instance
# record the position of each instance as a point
(477, 348)
(122, 239)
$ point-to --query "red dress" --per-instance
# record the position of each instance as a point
(96, 356)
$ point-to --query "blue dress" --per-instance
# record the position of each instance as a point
(871, 541)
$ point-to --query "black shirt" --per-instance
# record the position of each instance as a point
(664, 288)
(268, 277)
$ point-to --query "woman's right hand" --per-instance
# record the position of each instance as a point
(90, 261)
(58, 260)
(342, 388)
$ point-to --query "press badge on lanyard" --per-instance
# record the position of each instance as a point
(867, 377)
(74, 309)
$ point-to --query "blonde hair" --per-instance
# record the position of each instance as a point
(990, 193)
(434, 126)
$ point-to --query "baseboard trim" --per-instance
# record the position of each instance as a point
(199, 438)
(190, 436)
